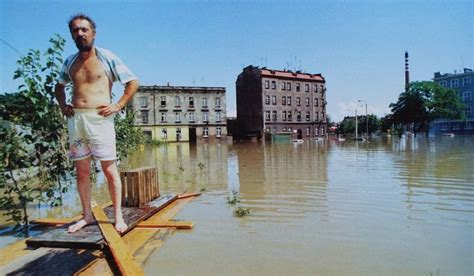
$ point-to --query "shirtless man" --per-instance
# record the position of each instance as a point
(91, 116)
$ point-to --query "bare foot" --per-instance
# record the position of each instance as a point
(120, 225)
(79, 225)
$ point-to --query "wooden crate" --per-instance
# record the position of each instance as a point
(139, 186)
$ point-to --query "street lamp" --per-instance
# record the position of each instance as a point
(366, 119)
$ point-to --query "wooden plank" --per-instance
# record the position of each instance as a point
(119, 250)
(185, 195)
(166, 224)
(90, 236)
(150, 240)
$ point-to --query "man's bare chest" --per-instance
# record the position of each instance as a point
(87, 71)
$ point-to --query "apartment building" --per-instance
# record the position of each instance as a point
(181, 113)
(462, 82)
(273, 101)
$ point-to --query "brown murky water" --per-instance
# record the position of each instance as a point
(392, 206)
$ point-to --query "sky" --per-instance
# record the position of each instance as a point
(358, 46)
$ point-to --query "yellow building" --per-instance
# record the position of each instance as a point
(181, 113)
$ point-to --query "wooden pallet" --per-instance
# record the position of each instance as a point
(90, 237)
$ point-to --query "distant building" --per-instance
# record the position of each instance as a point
(463, 83)
(272, 101)
(181, 113)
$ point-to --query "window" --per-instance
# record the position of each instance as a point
(267, 115)
(466, 96)
(288, 100)
(456, 126)
(307, 101)
(177, 101)
(308, 116)
(316, 101)
(267, 84)
(308, 131)
(443, 84)
(454, 83)
(283, 100)
(218, 101)
(191, 101)
(468, 111)
(274, 86)
(316, 116)
(204, 102)
(145, 117)
(283, 85)
(283, 116)
(322, 130)
(267, 99)
(144, 101)
(288, 86)
(297, 87)
(218, 116)
(163, 100)
(164, 134)
(466, 81)
(469, 125)
(306, 87)
(205, 132)
(274, 100)
(163, 117)
(274, 115)
(322, 116)
(298, 101)
(178, 134)
(289, 116)
(290, 129)
(316, 131)
(218, 131)
(191, 116)
(444, 126)
(316, 88)
(298, 116)
(205, 117)
(177, 117)
(322, 88)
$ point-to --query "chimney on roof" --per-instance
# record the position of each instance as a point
(407, 73)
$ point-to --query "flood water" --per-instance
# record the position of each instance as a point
(390, 206)
(393, 206)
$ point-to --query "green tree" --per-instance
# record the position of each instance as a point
(424, 102)
(34, 142)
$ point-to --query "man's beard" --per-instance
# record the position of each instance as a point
(83, 46)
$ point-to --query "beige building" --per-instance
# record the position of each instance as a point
(181, 113)
(273, 101)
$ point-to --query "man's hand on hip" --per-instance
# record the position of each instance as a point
(67, 110)
(108, 109)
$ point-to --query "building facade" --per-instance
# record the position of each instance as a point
(463, 83)
(272, 101)
(181, 113)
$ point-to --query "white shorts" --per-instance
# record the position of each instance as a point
(91, 134)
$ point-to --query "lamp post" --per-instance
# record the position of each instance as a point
(366, 119)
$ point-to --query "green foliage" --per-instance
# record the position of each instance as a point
(36, 137)
(424, 102)
(241, 212)
(128, 136)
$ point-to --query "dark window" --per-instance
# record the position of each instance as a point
(288, 100)
(274, 100)
(298, 116)
(298, 101)
(283, 100)
(297, 87)
(274, 115)
(307, 101)
(267, 99)
(274, 86)
(306, 87)
(267, 84)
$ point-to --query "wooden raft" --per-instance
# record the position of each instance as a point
(90, 237)
(18, 259)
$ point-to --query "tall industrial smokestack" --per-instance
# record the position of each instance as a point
(407, 73)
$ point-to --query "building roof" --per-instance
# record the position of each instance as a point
(291, 75)
(181, 88)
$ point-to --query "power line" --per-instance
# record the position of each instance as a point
(11, 46)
